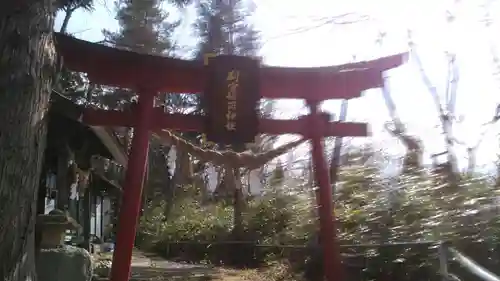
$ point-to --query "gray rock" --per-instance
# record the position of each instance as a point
(64, 263)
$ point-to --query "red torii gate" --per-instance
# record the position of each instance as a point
(149, 75)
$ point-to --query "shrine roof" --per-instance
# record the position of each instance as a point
(65, 121)
(115, 67)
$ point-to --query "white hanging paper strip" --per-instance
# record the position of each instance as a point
(212, 176)
(172, 156)
(74, 193)
(290, 159)
(255, 182)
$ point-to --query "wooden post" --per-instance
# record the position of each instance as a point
(331, 254)
(62, 182)
(134, 180)
(443, 261)
(86, 215)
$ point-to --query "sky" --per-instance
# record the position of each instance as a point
(293, 35)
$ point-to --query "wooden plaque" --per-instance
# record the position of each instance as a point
(231, 99)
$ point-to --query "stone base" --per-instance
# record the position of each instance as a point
(64, 263)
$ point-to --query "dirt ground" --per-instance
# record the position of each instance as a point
(146, 267)
(234, 275)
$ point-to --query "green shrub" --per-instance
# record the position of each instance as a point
(199, 233)
(371, 209)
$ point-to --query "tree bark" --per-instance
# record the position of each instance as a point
(27, 60)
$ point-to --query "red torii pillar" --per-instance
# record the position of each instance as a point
(149, 75)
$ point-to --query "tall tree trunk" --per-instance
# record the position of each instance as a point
(27, 59)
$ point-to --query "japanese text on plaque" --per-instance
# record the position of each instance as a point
(232, 92)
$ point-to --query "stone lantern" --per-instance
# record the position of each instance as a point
(57, 261)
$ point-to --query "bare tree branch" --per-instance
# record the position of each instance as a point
(445, 116)
(413, 158)
(321, 22)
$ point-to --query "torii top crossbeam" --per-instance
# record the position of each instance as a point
(119, 68)
(149, 75)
